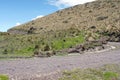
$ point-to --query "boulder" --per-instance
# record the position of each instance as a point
(73, 50)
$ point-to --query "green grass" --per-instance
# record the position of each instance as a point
(16, 55)
(67, 42)
(110, 75)
(104, 73)
(4, 77)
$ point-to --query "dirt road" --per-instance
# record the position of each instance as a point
(34, 68)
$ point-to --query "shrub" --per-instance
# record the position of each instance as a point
(36, 46)
(5, 51)
(31, 30)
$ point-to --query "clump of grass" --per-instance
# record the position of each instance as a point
(4, 77)
(110, 76)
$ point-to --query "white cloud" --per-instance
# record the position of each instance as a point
(17, 24)
(67, 3)
(37, 17)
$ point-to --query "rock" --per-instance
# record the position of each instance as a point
(103, 39)
(102, 18)
(117, 39)
(17, 31)
(38, 54)
(73, 50)
(98, 48)
(50, 53)
(91, 39)
(79, 46)
(93, 27)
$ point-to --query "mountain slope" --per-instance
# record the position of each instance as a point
(100, 13)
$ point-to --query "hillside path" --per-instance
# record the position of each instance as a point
(26, 69)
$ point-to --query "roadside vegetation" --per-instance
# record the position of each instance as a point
(108, 72)
(4, 77)
(26, 45)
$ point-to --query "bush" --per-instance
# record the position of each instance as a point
(31, 30)
(5, 51)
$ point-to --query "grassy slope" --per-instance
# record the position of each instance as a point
(25, 45)
(103, 14)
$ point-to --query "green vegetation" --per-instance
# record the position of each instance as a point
(4, 77)
(67, 42)
(25, 45)
(15, 45)
(108, 72)
(110, 75)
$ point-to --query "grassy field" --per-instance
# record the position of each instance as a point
(108, 72)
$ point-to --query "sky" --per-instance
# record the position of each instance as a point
(16, 12)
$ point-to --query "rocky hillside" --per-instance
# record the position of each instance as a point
(100, 14)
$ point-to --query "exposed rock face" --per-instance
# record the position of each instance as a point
(16, 31)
